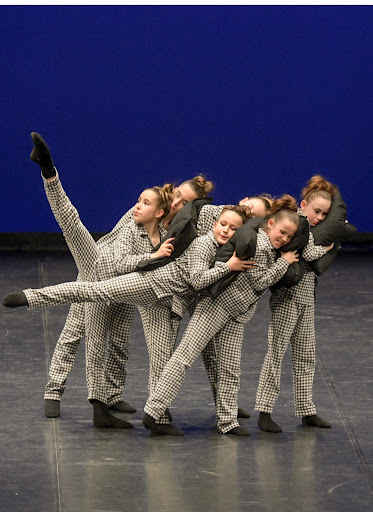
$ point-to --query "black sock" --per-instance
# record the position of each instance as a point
(52, 408)
(102, 418)
(123, 406)
(156, 428)
(15, 300)
(265, 422)
(42, 156)
(315, 421)
(242, 413)
(238, 431)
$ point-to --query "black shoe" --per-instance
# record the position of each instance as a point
(52, 408)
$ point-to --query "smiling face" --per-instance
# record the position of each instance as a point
(256, 206)
(225, 227)
(146, 208)
(182, 195)
(281, 232)
(316, 209)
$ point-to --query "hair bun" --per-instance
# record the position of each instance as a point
(285, 202)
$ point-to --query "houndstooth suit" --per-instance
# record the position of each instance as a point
(293, 321)
(172, 286)
(161, 324)
(67, 346)
(116, 253)
(222, 317)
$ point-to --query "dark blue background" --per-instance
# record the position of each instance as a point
(258, 98)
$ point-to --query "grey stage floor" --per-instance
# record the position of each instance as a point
(65, 464)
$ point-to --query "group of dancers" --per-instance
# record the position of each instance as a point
(110, 285)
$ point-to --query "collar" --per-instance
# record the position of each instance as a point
(210, 234)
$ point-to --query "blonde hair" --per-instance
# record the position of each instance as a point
(284, 208)
(165, 196)
(243, 211)
(200, 186)
(318, 186)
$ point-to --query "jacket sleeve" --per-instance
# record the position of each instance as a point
(313, 252)
(201, 257)
(267, 272)
(125, 257)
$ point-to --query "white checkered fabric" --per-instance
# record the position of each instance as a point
(174, 285)
(116, 253)
(207, 217)
(223, 318)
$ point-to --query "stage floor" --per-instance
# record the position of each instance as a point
(65, 464)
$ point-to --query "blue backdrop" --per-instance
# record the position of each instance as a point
(258, 98)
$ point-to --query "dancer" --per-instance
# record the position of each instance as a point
(293, 321)
(118, 332)
(224, 317)
(173, 286)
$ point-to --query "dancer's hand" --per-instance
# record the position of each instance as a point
(236, 264)
(165, 249)
(329, 247)
(290, 256)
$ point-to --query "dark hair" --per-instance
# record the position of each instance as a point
(243, 211)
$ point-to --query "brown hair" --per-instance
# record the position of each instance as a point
(165, 196)
(200, 186)
(243, 211)
(318, 186)
(284, 208)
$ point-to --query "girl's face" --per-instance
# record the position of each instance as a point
(281, 232)
(182, 195)
(316, 210)
(228, 222)
(146, 208)
(256, 206)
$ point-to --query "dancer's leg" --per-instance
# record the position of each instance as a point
(206, 321)
(65, 352)
(121, 319)
(228, 344)
(284, 318)
(161, 328)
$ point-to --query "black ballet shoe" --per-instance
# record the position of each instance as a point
(242, 413)
(15, 300)
(102, 418)
(266, 423)
(42, 156)
(155, 428)
(123, 406)
(52, 408)
(315, 421)
(238, 431)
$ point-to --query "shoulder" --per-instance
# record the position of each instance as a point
(212, 209)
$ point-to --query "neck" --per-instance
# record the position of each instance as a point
(152, 227)
(167, 220)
